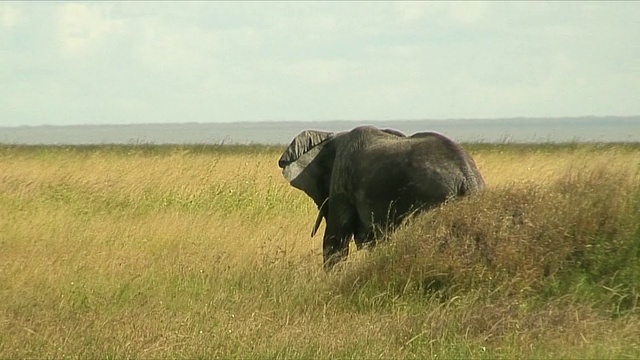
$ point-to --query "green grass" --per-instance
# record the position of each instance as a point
(153, 251)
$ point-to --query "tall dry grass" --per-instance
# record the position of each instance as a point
(165, 252)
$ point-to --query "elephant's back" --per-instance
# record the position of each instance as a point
(428, 165)
(454, 164)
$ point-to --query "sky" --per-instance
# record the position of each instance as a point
(66, 63)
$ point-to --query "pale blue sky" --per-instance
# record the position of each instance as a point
(142, 62)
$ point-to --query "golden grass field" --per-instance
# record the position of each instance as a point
(204, 252)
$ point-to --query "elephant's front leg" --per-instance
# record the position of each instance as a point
(340, 227)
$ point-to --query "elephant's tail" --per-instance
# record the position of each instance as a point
(473, 181)
(471, 184)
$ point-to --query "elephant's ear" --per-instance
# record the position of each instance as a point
(301, 144)
(307, 164)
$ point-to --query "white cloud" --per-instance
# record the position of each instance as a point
(204, 61)
(81, 27)
(467, 12)
(9, 15)
(411, 11)
(321, 72)
(462, 12)
(165, 48)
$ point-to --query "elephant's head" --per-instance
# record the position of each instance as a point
(307, 165)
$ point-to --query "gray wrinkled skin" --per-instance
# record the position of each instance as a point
(373, 179)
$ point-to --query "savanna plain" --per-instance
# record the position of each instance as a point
(153, 251)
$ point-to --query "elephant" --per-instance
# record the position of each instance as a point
(366, 181)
